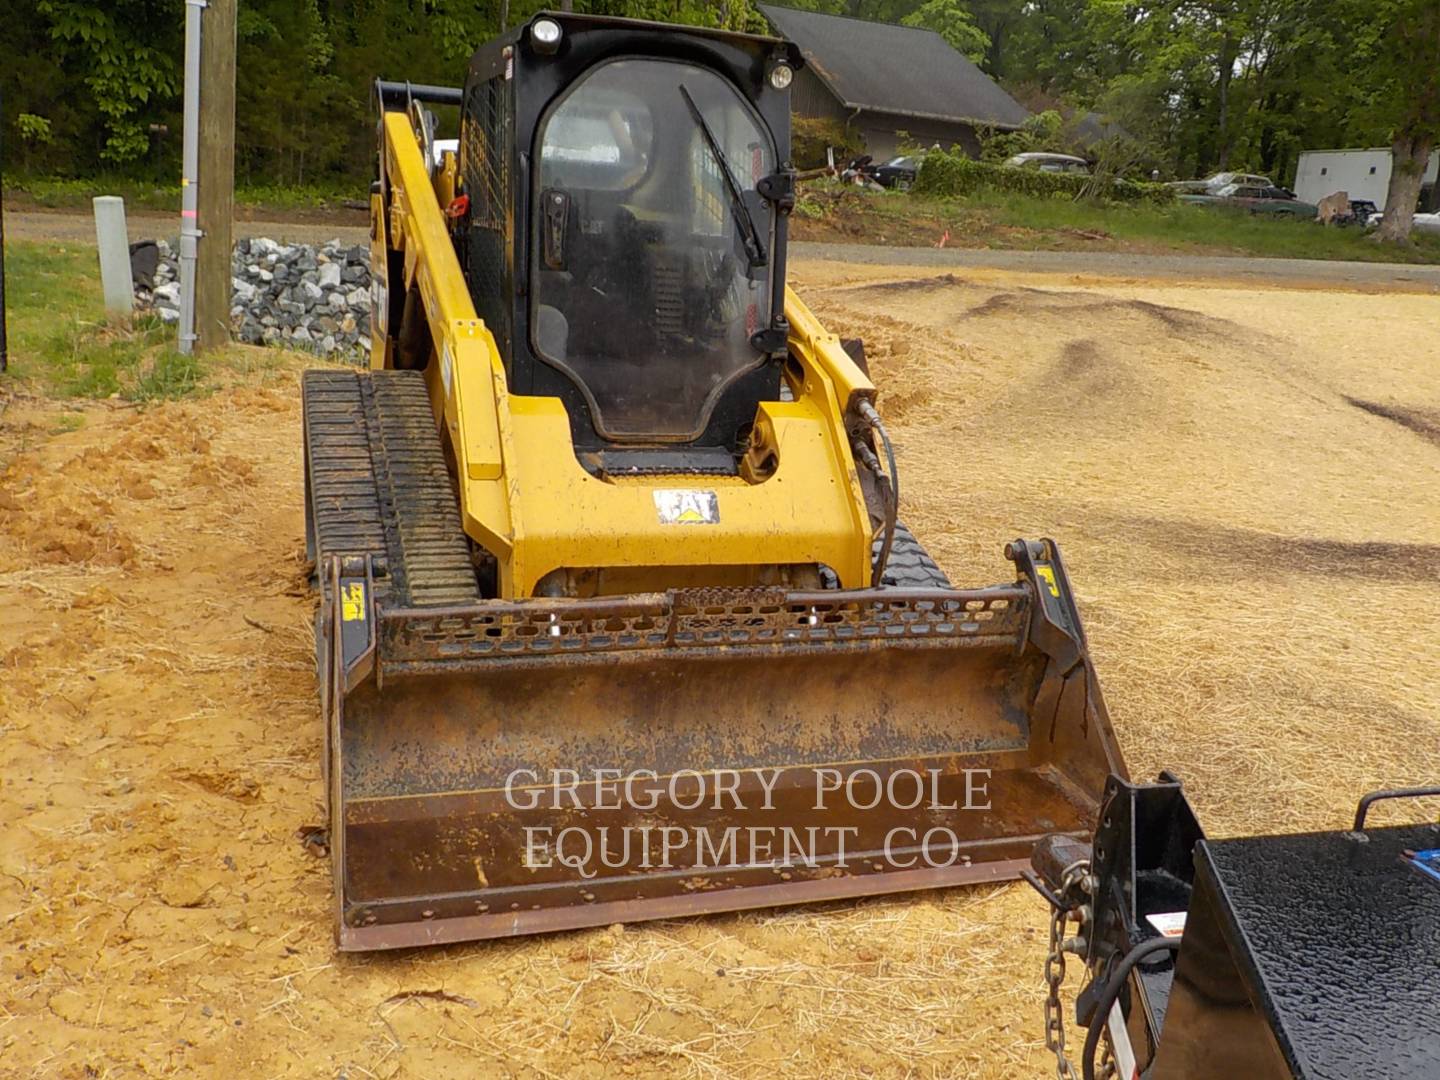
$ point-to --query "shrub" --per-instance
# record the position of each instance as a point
(1039, 132)
(809, 136)
(954, 174)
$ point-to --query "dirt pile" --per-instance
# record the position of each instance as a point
(1254, 551)
(1255, 561)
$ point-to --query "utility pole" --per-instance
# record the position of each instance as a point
(216, 201)
(207, 186)
(4, 335)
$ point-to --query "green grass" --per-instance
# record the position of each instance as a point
(63, 194)
(61, 341)
(306, 197)
(59, 193)
(170, 374)
(1026, 222)
(1194, 228)
(49, 288)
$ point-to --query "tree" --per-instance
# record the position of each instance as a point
(1408, 71)
(129, 54)
(35, 131)
(1249, 83)
(951, 21)
(997, 20)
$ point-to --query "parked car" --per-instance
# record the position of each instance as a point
(1361, 211)
(1225, 179)
(1212, 184)
(1258, 199)
(1426, 223)
(899, 172)
(1056, 163)
(860, 171)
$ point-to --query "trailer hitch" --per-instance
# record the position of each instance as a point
(1138, 861)
(1058, 868)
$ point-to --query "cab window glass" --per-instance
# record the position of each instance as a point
(646, 282)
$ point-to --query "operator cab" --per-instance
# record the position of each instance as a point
(628, 187)
(649, 279)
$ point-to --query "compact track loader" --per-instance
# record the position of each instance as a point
(618, 620)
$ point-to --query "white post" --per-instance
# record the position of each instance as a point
(113, 241)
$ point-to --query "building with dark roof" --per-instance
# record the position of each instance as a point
(883, 79)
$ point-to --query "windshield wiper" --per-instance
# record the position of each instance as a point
(749, 234)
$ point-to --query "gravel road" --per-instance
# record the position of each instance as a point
(79, 227)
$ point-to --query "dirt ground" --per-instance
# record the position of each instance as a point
(1246, 485)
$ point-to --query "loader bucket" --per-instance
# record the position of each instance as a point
(507, 768)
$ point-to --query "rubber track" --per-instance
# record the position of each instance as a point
(430, 554)
(344, 502)
(379, 485)
(910, 565)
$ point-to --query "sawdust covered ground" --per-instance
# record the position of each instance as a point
(1246, 485)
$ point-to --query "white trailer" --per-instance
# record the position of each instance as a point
(1364, 174)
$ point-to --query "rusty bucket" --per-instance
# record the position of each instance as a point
(509, 768)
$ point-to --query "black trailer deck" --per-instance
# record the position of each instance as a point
(1314, 956)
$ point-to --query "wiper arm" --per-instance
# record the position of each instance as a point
(749, 234)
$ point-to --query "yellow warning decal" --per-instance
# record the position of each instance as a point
(1048, 573)
(352, 602)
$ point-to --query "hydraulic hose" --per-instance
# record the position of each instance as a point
(892, 512)
(1111, 992)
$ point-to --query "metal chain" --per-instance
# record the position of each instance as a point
(1107, 1070)
(1055, 976)
(1054, 1015)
